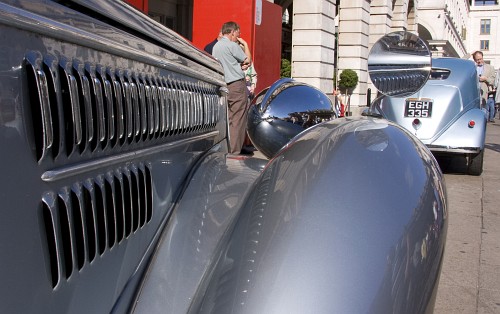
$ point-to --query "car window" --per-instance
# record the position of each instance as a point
(439, 74)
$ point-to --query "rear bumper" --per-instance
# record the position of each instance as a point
(453, 150)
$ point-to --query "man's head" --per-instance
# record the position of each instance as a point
(231, 30)
(478, 58)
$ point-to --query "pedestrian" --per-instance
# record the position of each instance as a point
(210, 46)
(491, 99)
(251, 80)
(497, 93)
(486, 76)
(339, 106)
(234, 60)
(250, 77)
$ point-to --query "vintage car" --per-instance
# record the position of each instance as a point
(445, 114)
(118, 194)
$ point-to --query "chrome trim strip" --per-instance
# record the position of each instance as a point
(94, 164)
(163, 108)
(149, 104)
(88, 108)
(75, 109)
(43, 96)
(127, 93)
(142, 102)
(101, 127)
(156, 106)
(108, 98)
(136, 108)
(444, 149)
(170, 109)
(119, 108)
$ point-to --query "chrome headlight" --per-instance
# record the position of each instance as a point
(284, 110)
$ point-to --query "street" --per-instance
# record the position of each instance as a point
(470, 276)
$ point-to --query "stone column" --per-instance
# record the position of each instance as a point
(413, 20)
(380, 25)
(354, 30)
(380, 19)
(399, 20)
(313, 43)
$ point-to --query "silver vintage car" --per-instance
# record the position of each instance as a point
(445, 114)
(118, 194)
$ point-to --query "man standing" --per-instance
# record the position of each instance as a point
(234, 60)
(486, 75)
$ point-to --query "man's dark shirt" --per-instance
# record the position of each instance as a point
(210, 46)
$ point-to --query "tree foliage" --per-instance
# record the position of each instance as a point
(286, 68)
(348, 80)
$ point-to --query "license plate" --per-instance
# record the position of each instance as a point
(418, 108)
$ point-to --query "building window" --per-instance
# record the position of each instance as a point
(168, 21)
(285, 18)
(485, 2)
(485, 27)
(485, 45)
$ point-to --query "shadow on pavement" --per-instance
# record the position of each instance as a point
(493, 146)
(452, 164)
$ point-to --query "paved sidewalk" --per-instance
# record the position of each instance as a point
(470, 277)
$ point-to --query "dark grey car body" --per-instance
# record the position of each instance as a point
(118, 195)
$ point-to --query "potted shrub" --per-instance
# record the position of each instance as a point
(348, 80)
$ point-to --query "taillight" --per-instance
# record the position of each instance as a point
(472, 123)
(416, 124)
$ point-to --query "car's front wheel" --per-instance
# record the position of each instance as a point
(475, 164)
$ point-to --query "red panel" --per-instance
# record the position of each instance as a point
(208, 17)
(139, 4)
(267, 45)
(264, 39)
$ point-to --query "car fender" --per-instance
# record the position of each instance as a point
(350, 217)
(195, 232)
(460, 135)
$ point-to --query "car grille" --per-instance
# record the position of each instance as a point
(87, 219)
(80, 107)
(82, 113)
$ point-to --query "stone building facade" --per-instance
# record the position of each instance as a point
(483, 25)
(358, 24)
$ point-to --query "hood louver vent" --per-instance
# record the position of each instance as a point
(78, 107)
(84, 221)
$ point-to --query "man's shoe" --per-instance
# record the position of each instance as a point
(245, 151)
(248, 150)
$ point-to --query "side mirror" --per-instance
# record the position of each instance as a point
(282, 111)
(399, 64)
